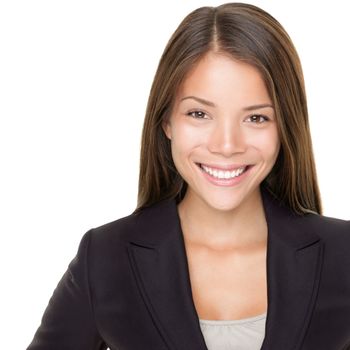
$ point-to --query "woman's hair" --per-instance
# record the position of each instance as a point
(247, 33)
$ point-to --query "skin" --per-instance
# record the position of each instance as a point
(224, 228)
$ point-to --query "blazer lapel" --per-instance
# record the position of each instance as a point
(159, 263)
(294, 261)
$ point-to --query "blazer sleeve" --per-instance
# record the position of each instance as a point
(68, 321)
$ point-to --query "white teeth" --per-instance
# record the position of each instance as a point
(220, 174)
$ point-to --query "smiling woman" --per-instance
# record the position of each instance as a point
(228, 247)
(236, 130)
(256, 41)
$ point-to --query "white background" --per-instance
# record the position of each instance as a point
(74, 83)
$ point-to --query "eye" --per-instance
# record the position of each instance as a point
(258, 118)
(197, 114)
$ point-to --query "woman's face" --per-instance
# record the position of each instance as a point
(223, 118)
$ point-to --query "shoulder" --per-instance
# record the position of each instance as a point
(103, 252)
(111, 240)
(112, 232)
(334, 236)
(146, 226)
(329, 228)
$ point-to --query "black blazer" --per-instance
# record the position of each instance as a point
(128, 288)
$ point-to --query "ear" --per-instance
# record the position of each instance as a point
(166, 128)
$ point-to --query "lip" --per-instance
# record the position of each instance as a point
(226, 182)
(228, 167)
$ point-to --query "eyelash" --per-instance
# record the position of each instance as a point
(190, 114)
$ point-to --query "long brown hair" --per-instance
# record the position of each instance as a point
(247, 33)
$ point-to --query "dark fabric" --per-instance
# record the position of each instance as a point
(128, 288)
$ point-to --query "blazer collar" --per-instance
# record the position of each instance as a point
(159, 263)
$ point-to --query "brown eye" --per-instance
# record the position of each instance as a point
(196, 114)
(258, 118)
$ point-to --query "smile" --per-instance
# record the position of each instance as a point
(223, 177)
(223, 174)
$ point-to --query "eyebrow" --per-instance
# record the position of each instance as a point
(212, 104)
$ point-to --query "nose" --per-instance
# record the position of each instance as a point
(226, 138)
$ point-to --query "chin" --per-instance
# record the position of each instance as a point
(224, 204)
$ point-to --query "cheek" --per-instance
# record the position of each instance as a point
(272, 146)
(185, 138)
(267, 143)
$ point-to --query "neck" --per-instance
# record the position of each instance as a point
(242, 227)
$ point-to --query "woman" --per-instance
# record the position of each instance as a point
(228, 247)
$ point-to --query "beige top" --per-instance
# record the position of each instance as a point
(244, 334)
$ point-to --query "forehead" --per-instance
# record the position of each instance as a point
(220, 77)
